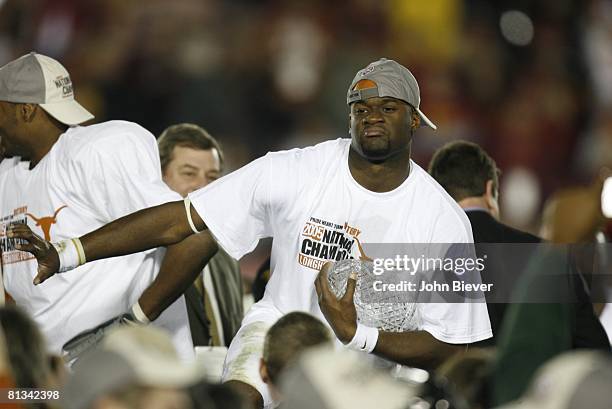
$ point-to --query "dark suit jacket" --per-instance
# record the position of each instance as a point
(227, 282)
(486, 229)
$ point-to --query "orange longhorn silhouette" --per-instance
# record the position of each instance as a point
(363, 256)
(46, 222)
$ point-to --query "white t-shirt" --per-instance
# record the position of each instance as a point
(306, 197)
(606, 320)
(91, 176)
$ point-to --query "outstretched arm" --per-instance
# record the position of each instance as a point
(412, 348)
(157, 226)
(145, 229)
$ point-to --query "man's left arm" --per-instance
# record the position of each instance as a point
(412, 348)
(180, 267)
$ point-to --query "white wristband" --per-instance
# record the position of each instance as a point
(139, 314)
(365, 339)
(71, 254)
(187, 202)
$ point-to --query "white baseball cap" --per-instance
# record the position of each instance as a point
(573, 380)
(327, 378)
(151, 353)
(387, 78)
(38, 79)
(129, 355)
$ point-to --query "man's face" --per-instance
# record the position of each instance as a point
(381, 127)
(191, 169)
(9, 140)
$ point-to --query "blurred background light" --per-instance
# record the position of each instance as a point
(516, 27)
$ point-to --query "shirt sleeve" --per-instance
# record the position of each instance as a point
(236, 208)
(124, 173)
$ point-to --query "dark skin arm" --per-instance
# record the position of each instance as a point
(164, 225)
(145, 229)
(413, 348)
(178, 271)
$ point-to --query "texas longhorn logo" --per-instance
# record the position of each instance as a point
(45, 222)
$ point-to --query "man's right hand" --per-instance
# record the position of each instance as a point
(45, 253)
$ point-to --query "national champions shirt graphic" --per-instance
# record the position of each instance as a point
(323, 241)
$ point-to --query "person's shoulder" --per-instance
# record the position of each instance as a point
(434, 196)
(331, 147)
(315, 155)
(105, 136)
(488, 229)
(110, 130)
(513, 235)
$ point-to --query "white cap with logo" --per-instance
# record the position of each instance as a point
(38, 79)
(387, 78)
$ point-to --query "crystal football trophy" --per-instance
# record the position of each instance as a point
(384, 310)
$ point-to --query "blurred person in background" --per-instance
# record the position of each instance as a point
(286, 193)
(6, 373)
(26, 352)
(135, 367)
(467, 376)
(285, 341)
(327, 378)
(573, 380)
(471, 177)
(216, 396)
(191, 159)
(553, 304)
(63, 179)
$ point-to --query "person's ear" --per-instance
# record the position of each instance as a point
(263, 371)
(490, 191)
(491, 198)
(27, 112)
(416, 120)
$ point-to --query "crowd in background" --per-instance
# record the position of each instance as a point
(534, 89)
(266, 75)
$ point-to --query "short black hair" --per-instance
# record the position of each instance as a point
(463, 169)
(186, 135)
(289, 337)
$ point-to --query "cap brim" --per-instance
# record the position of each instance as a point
(426, 121)
(68, 112)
